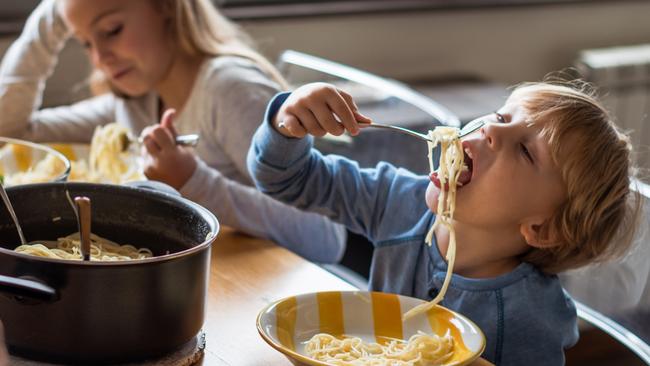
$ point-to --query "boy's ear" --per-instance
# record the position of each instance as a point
(538, 234)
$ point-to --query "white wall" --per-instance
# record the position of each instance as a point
(502, 44)
(507, 44)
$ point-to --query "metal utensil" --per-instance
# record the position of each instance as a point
(466, 130)
(191, 140)
(10, 208)
(83, 207)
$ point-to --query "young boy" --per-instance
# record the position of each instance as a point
(548, 190)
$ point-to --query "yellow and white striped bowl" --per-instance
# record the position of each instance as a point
(18, 156)
(289, 323)
(72, 151)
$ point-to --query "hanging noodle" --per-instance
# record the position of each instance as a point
(107, 156)
(101, 249)
(449, 169)
(421, 349)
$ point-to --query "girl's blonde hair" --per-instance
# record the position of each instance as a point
(597, 220)
(200, 29)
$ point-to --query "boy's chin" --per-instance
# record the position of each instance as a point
(431, 199)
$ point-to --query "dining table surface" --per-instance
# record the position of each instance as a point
(246, 274)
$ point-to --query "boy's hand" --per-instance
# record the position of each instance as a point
(164, 160)
(317, 109)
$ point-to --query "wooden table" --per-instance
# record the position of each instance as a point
(247, 274)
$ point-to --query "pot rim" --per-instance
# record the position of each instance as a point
(202, 211)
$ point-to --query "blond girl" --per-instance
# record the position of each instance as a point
(151, 56)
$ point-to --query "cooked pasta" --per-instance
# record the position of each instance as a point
(101, 249)
(449, 169)
(46, 170)
(107, 158)
(420, 350)
(107, 162)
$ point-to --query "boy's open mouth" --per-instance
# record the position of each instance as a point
(465, 175)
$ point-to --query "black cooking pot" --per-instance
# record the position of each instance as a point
(104, 312)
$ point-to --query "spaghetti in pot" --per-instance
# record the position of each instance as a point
(69, 247)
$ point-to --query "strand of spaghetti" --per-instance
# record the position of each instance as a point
(107, 158)
(450, 166)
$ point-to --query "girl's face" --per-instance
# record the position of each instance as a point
(128, 40)
(513, 178)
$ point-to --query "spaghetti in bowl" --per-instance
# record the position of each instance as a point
(108, 158)
(27, 162)
(121, 168)
(105, 160)
(333, 328)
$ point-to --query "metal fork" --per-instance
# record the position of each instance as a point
(466, 130)
(182, 140)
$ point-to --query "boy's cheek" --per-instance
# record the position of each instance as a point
(431, 197)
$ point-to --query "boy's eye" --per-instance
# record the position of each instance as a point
(527, 154)
(500, 117)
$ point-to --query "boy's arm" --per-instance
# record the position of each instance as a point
(26, 65)
(289, 169)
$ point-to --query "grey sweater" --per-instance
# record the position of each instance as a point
(225, 107)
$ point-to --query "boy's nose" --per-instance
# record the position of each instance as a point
(490, 134)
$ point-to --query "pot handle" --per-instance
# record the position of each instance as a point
(24, 290)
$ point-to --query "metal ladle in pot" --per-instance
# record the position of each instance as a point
(10, 208)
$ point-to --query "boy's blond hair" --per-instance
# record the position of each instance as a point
(200, 29)
(597, 220)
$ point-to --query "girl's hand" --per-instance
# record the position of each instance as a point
(318, 109)
(164, 160)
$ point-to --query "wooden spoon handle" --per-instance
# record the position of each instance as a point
(83, 206)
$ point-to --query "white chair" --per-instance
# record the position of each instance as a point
(382, 99)
(293, 65)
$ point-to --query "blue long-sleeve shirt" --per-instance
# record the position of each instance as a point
(525, 315)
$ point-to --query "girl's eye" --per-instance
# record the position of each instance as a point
(527, 154)
(114, 31)
(500, 117)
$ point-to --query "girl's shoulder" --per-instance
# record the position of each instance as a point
(233, 71)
